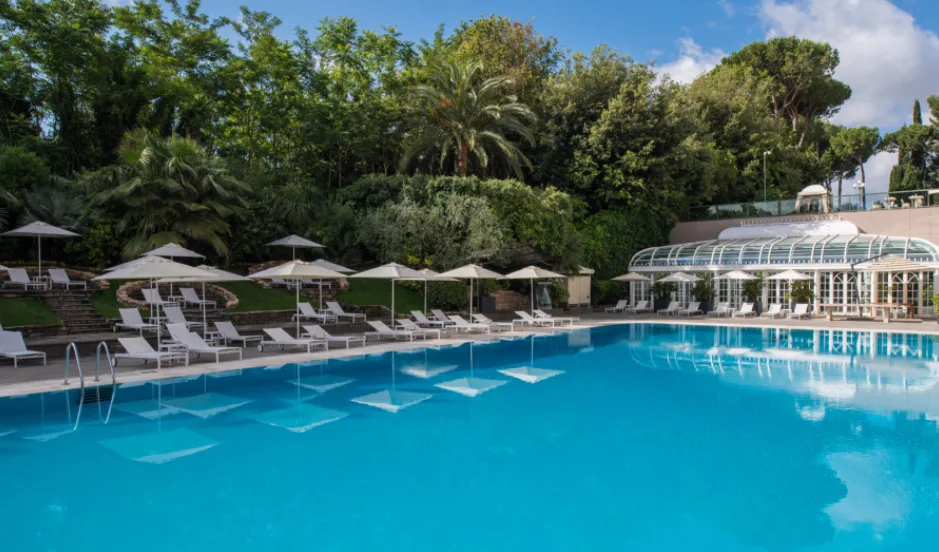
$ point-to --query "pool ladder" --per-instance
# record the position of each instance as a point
(72, 350)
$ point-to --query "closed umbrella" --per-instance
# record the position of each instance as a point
(155, 268)
(294, 241)
(471, 272)
(295, 270)
(393, 272)
(40, 230)
(532, 273)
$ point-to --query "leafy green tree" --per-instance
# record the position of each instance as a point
(933, 103)
(801, 73)
(459, 116)
(857, 144)
(917, 148)
(168, 190)
(917, 113)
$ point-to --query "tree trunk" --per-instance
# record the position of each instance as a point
(462, 164)
(839, 191)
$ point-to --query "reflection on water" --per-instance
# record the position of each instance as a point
(667, 438)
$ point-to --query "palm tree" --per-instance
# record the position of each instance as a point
(457, 115)
(168, 190)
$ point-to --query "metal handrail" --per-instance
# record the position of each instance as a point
(81, 377)
(107, 352)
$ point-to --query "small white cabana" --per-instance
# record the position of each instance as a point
(815, 192)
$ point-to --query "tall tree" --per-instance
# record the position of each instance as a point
(460, 116)
(857, 144)
(802, 74)
(917, 113)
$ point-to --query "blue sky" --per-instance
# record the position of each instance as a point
(889, 48)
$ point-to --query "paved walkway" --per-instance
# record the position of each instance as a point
(30, 378)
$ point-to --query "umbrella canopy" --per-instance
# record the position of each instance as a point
(333, 266)
(680, 278)
(39, 230)
(294, 241)
(532, 273)
(296, 270)
(391, 271)
(471, 272)
(632, 277)
(736, 275)
(896, 263)
(790, 275)
(2, 268)
(173, 251)
(215, 275)
(154, 268)
(430, 275)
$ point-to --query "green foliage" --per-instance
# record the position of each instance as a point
(460, 120)
(378, 292)
(935, 302)
(606, 292)
(96, 248)
(703, 289)
(611, 238)
(801, 292)
(252, 297)
(663, 290)
(447, 295)
(752, 290)
(559, 293)
(168, 191)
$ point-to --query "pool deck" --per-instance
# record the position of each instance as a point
(32, 378)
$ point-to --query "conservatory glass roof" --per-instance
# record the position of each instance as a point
(806, 251)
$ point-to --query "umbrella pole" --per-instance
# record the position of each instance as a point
(425, 296)
(532, 282)
(297, 283)
(320, 282)
(205, 325)
(39, 253)
(471, 299)
(392, 303)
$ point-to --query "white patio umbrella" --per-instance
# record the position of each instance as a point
(532, 273)
(296, 270)
(790, 275)
(2, 268)
(294, 241)
(680, 278)
(738, 276)
(393, 272)
(40, 230)
(471, 272)
(172, 251)
(155, 268)
(217, 275)
(632, 278)
(429, 275)
(331, 266)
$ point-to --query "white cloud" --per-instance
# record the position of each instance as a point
(877, 171)
(692, 61)
(886, 58)
(729, 8)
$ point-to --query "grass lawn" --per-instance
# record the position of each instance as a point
(25, 312)
(106, 303)
(252, 297)
(378, 292)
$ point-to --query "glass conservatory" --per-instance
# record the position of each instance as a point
(835, 254)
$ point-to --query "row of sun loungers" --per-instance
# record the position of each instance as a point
(19, 278)
(775, 310)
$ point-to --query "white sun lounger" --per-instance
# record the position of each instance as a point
(801, 310)
(60, 277)
(280, 338)
(307, 312)
(693, 309)
(461, 325)
(620, 306)
(229, 334)
(152, 297)
(190, 298)
(672, 309)
(542, 315)
(13, 346)
(526, 319)
(501, 326)
(641, 306)
(409, 325)
(774, 310)
(440, 316)
(746, 309)
(722, 309)
(174, 315)
(137, 348)
(422, 320)
(195, 345)
(131, 320)
(382, 331)
(20, 278)
(336, 309)
(315, 332)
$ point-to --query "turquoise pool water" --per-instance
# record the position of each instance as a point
(643, 437)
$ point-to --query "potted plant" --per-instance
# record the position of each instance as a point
(752, 292)
(662, 292)
(935, 303)
(704, 292)
(801, 292)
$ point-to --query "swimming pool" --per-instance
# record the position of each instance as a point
(634, 437)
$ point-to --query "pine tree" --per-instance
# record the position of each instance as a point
(917, 113)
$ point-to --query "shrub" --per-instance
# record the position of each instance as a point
(752, 290)
(447, 295)
(605, 292)
(663, 290)
(704, 288)
(801, 292)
